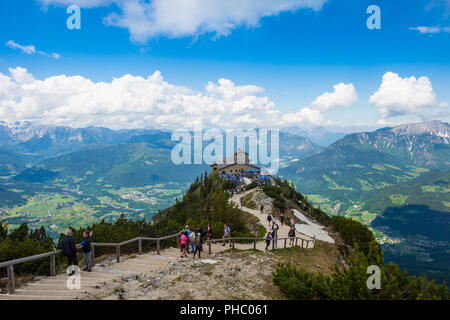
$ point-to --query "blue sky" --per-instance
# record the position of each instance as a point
(294, 55)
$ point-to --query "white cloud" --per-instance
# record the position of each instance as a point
(430, 30)
(137, 102)
(31, 49)
(145, 19)
(130, 102)
(26, 49)
(443, 104)
(401, 96)
(344, 95)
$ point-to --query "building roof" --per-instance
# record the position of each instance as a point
(239, 157)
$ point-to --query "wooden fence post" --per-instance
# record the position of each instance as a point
(302, 243)
(273, 244)
(53, 265)
(307, 242)
(254, 244)
(233, 243)
(296, 241)
(140, 245)
(118, 253)
(285, 243)
(11, 284)
(158, 246)
(93, 254)
(209, 246)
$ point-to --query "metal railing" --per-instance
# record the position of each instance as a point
(254, 240)
(9, 265)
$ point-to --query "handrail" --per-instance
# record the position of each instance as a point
(52, 254)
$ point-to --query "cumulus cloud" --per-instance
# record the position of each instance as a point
(344, 95)
(145, 19)
(130, 102)
(138, 102)
(400, 96)
(31, 49)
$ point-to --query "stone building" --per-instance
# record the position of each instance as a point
(234, 165)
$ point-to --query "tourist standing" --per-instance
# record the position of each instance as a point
(268, 238)
(292, 222)
(226, 235)
(183, 244)
(86, 249)
(291, 235)
(191, 240)
(198, 244)
(69, 249)
(275, 234)
(209, 233)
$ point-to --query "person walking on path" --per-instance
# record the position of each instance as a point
(226, 235)
(291, 235)
(186, 229)
(183, 244)
(209, 233)
(269, 219)
(268, 238)
(262, 208)
(292, 221)
(275, 229)
(282, 219)
(191, 241)
(69, 249)
(198, 244)
(86, 249)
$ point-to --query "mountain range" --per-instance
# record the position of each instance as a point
(59, 176)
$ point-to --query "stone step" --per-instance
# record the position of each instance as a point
(33, 297)
(58, 281)
(61, 286)
(51, 293)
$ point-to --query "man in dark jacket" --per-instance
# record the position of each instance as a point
(202, 233)
(69, 249)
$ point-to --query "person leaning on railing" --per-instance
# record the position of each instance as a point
(86, 248)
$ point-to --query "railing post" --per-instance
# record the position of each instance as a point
(11, 284)
(285, 243)
(209, 247)
(254, 244)
(233, 243)
(158, 246)
(53, 265)
(118, 253)
(302, 243)
(93, 254)
(296, 241)
(140, 245)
